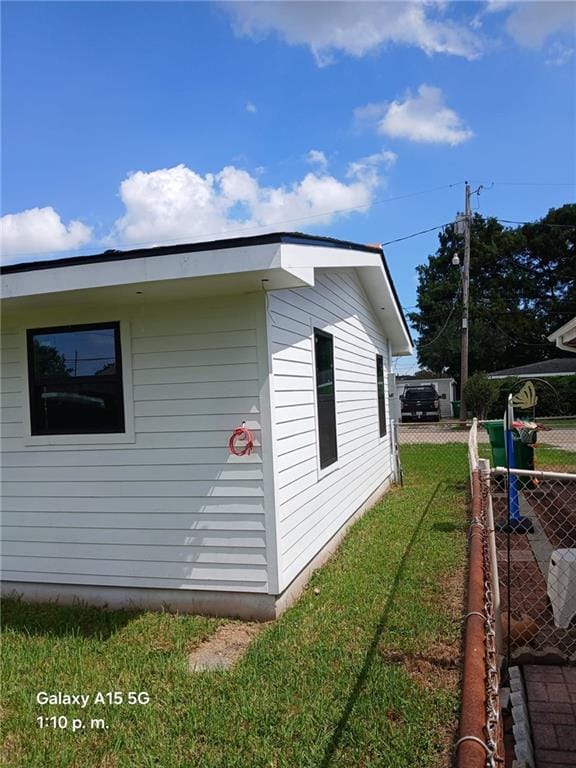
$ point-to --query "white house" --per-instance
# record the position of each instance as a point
(565, 336)
(124, 375)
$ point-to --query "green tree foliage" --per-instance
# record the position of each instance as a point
(556, 396)
(522, 287)
(480, 393)
(49, 362)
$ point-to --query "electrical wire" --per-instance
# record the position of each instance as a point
(454, 305)
(535, 183)
(450, 223)
(415, 234)
(515, 340)
(538, 223)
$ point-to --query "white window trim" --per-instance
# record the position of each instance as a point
(128, 436)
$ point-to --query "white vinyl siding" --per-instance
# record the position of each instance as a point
(172, 508)
(313, 505)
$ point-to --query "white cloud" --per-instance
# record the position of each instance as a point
(530, 24)
(179, 204)
(422, 118)
(317, 157)
(250, 107)
(368, 115)
(366, 167)
(40, 230)
(356, 28)
(559, 54)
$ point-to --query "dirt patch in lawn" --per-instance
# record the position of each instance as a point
(438, 666)
(224, 648)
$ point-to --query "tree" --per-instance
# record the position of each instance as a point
(49, 362)
(426, 374)
(522, 287)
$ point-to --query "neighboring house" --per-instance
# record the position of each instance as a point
(444, 386)
(560, 366)
(565, 337)
(124, 375)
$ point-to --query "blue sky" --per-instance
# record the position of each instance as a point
(131, 123)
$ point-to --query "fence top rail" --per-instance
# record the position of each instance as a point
(473, 446)
(559, 422)
(557, 418)
(542, 474)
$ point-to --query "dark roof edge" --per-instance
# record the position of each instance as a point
(210, 245)
(561, 364)
(164, 250)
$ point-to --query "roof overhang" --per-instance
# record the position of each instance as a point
(528, 375)
(565, 336)
(271, 262)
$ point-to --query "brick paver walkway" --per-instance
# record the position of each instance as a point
(551, 693)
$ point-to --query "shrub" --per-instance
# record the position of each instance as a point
(480, 393)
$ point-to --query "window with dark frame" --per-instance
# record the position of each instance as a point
(325, 397)
(75, 378)
(381, 394)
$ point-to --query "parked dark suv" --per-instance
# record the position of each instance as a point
(421, 403)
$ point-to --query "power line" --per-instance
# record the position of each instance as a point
(450, 223)
(515, 340)
(503, 221)
(538, 223)
(535, 183)
(441, 331)
(415, 234)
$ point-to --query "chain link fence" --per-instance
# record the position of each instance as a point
(535, 532)
(534, 511)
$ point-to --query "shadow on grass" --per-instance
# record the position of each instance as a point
(447, 527)
(54, 619)
(373, 647)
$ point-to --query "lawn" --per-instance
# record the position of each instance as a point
(362, 671)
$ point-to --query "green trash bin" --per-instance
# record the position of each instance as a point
(495, 431)
(523, 453)
(455, 408)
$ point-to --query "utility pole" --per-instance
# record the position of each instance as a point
(465, 294)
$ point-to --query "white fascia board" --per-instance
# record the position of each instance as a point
(569, 326)
(257, 258)
(372, 276)
(304, 255)
(565, 336)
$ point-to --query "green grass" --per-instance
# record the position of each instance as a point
(365, 673)
(566, 423)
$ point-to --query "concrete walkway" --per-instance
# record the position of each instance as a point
(551, 694)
